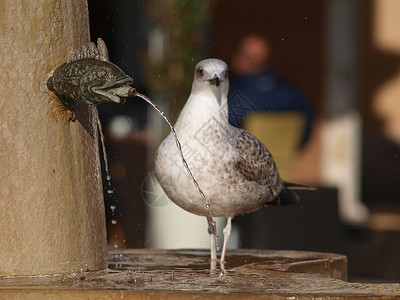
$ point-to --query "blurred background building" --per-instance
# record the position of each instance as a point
(343, 55)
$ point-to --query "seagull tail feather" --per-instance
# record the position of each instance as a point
(285, 197)
(288, 195)
(297, 187)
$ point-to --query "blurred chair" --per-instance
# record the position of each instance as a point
(281, 133)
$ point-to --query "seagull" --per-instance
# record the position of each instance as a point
(235, 171)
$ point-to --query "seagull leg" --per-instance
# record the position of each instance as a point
(227, 234)
(212, 232)
(213, 264)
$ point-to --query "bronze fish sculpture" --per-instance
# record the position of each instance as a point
(91, 78)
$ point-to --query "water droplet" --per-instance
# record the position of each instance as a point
(113, 221)
(108, 177)
(110, 191)
(113, 207)
(208, 205)
(81, 274)
(116, 245)
(222, 274)
(218, 248)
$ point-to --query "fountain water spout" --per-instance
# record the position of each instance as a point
(89, 77)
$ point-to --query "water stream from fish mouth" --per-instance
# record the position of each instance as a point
(178, 145)
(211, 222)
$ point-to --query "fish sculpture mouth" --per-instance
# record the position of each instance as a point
(115, 91)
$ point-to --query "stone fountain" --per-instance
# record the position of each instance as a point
(51, 202)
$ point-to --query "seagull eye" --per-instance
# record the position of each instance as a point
(200, 71)
(226, 73)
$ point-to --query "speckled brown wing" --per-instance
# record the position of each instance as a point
(255, 162)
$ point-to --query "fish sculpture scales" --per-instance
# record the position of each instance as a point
(88, 76)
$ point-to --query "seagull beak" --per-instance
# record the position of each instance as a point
(215, 81)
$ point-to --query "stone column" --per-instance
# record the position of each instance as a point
(52, 216)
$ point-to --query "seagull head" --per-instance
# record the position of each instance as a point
(211, 75)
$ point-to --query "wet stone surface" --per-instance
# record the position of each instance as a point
(289, 273)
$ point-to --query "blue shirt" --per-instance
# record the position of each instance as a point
(265, 92)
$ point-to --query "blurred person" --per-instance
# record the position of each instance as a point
(255, 87)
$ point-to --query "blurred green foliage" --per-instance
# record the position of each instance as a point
(183, 23)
